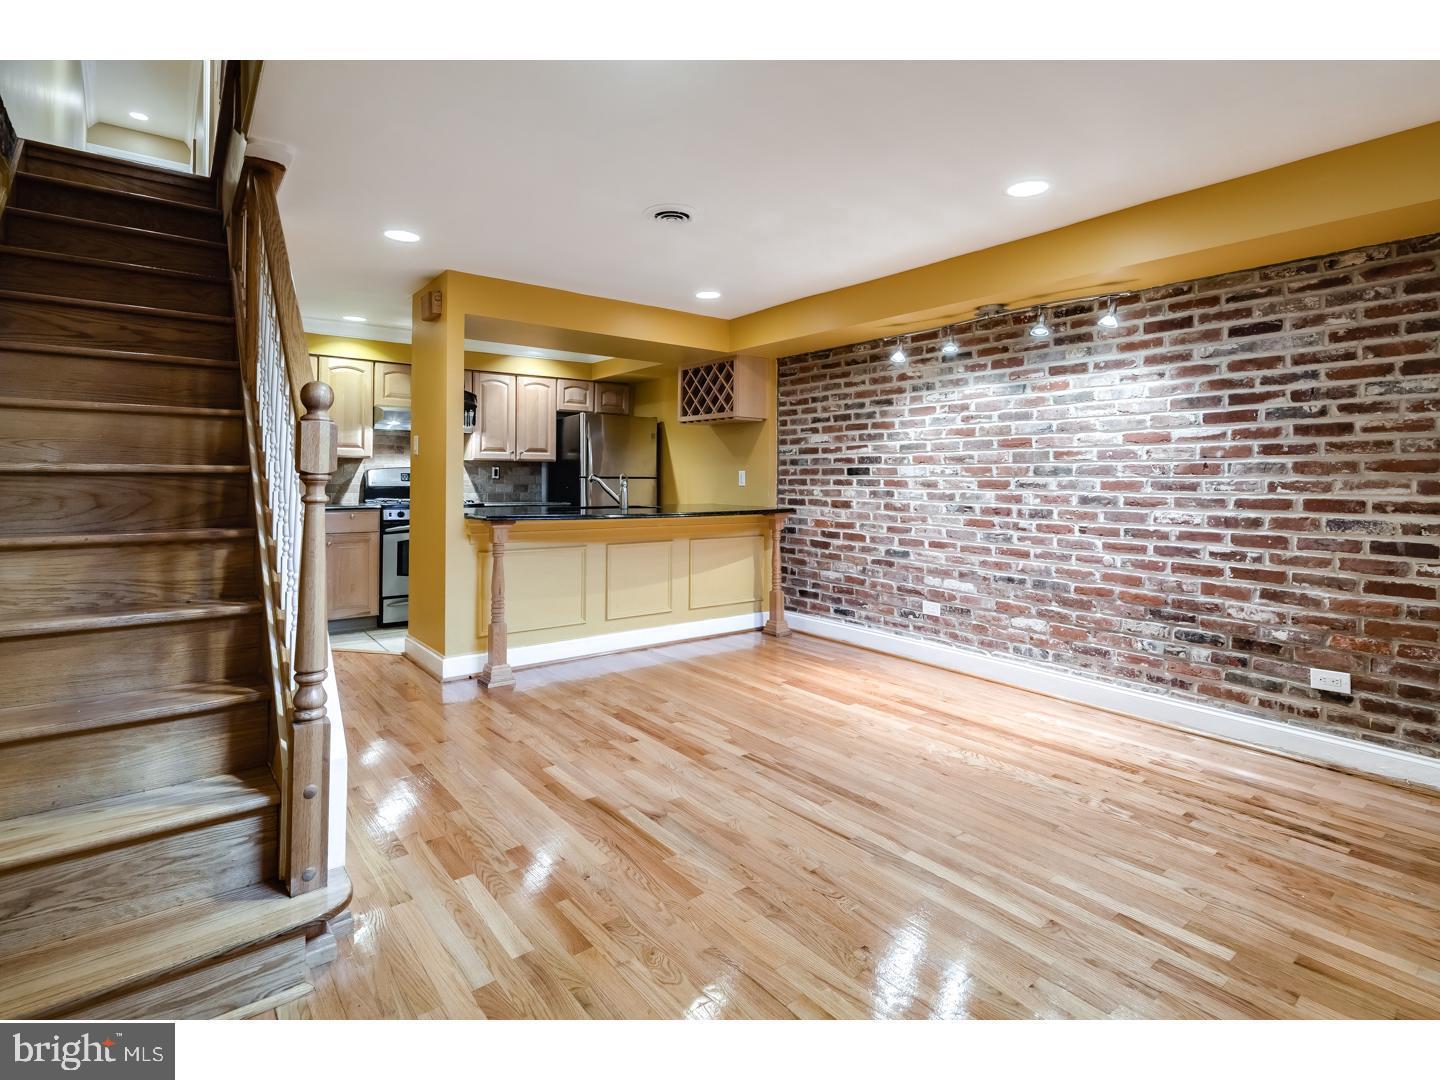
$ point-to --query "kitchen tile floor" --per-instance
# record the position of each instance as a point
(390, 639)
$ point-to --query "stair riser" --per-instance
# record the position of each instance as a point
(41, 505)
(64, 898)
(231, 984)
(117, 177)
(65, 667)
(77, 239)
(46, 774)
(89, 378)
(57, 277)
(91, 437)
(64, 324)
(33, 193)
(111, 577)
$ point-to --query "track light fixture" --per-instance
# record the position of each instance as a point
(1040, 328)
(1110, 320)
(950, 348)
(898, 356)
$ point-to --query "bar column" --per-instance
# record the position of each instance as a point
(497, 671)
(775, 626)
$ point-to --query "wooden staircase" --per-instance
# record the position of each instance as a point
(140, 822)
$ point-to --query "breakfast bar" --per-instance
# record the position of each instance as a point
(563, 582)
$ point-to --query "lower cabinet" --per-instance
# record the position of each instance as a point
(352, 563)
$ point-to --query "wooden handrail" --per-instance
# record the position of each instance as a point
(264, 177)
(293, 446)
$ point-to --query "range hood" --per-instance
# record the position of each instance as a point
(391, 419)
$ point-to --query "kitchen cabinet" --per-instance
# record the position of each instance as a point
(352, 563)
(495, 412)
(353, 382)
(612, 397)
(731, 389)
(392, 385)
(575, 395)
(534, 418)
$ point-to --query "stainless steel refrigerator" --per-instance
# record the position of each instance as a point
(608, 447)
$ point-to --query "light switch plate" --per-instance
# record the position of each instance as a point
(414, 444)
(494, 472)
(1337, 682)
(742, 478)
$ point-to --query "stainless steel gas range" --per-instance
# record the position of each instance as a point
(389, 489)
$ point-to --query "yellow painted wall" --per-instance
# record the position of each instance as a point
(391, 352)
(397, 352)
(699, 462)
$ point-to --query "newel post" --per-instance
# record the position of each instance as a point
(308, 802)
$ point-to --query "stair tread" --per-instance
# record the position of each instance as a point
(22, 723)
(45, 979)
(91, 223)
(128, 355)
(60, 468)
(76, 405)
(153, 615)
(96, 189)
(59, 833)
(110, 305)
(19, 252)
(102, 539)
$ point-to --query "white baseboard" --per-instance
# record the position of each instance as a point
(466, 665)
(1288, 739)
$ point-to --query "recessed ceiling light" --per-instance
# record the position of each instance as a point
(353, 318)
(138, 116)
(404, 236)
(1025, 189)
(707, 294)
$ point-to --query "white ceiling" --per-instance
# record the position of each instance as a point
(164, 90)
(803, 176)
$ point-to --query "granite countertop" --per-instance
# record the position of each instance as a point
(612, 513)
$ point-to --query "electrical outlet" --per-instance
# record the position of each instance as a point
(930, 607)
(741, 480)
(414, 445)
(1337, 682)
(494, 472)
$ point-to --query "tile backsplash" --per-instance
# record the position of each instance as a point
(519, 481)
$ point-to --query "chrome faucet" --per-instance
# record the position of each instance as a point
(623, 498)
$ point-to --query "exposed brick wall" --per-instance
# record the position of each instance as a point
(1240, 482)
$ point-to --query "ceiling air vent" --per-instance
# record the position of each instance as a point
(669, 215)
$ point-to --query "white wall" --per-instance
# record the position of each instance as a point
(45, 100)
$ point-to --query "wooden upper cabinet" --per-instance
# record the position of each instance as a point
(575, 395)
(534, 418)
(612, 397)
(354, 410)
(494, 436)
(392, 385)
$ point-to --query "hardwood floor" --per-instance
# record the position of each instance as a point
(747, 827)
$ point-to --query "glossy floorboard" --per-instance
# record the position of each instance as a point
(746, 827)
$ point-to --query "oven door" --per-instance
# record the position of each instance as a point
(395, 563)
